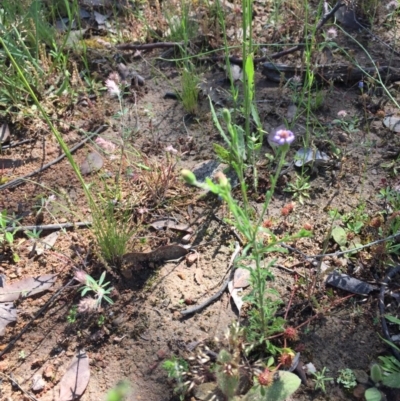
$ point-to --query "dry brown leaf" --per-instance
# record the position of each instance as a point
(45, 243)
(241, 278)
(76, 378)
(92, 163)
(26, 287)
(237, 299)
(8, 314)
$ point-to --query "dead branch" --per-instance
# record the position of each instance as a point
(21, 180)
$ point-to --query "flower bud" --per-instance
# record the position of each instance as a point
(189, 177)
(222, 180)
(226, 115)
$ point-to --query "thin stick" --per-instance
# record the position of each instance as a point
(15, 144)
(41, 310)
(149, 46)
(49, 227)
(343, 252)
(16, 384)
(21, 180)
(222, 289)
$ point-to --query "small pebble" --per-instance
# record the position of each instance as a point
(186, 239)
(37, 383)
(191, 258)
(181, 276)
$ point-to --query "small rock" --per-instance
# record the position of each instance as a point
(49, 372)
(181, 276)
(161, 354)
(186, 239)
(310, 368)
(191, 258)
(3, 365)
(37, 383)
(361, 376)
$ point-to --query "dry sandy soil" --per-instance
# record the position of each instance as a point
(144, 326)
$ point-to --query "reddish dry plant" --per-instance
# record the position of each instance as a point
(375, 222)
(268, 223)
(285, 211)
(265, 378)
(286, 359)
(290, 206)
(290, 333)
(308, 226)
(380, 114)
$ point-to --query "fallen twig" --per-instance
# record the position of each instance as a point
(16, 384)
(148, 46)
(21, 180)
(223, 287)
(49, 227)
(41, 310)
(323, 255)
(15, 144)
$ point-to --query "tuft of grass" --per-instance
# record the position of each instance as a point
(112, 231)
(189, 89)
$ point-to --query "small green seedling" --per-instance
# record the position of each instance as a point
(177, 369)
(320, 379)
(6, 236)
(347, 378)
(99, 288)
(72, 313)
(300, 188)
(119, 392)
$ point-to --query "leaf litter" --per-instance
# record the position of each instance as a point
(26, 287)
(149, 257)
(75, 380)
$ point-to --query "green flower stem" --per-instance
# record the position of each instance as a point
(283, 150)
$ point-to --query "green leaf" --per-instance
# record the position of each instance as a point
(224, 356)
(392, 380)
(376, 373)
(392, 319)
(16, 258)
(373, 394)
(249, 70)
(222, 153)
(339, 235)
(102, 278)
(9, 238)
(109, 300)
(390, 343)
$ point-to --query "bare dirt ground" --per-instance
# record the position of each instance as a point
(144, 326)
